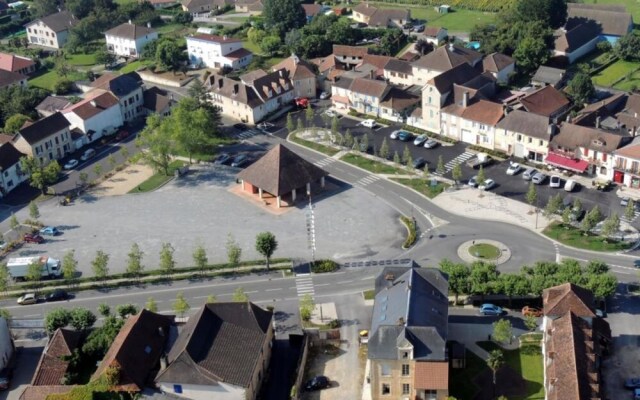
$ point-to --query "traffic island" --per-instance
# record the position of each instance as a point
(484, 250)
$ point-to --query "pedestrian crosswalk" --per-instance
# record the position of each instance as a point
(458, 160)
(325, 161)
(304, 285)
(367, 180)
(248, 134)
(636, 214)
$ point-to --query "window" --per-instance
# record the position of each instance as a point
(519, 137)
(386, 388)
(530, 140)
(541, 142)
(430, 394)
(406, 388)
(385, 370)
(405, 369)
(177, 388)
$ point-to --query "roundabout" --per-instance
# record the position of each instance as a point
(484, 250)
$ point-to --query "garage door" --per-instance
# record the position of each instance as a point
(468, 137)
(519, 150)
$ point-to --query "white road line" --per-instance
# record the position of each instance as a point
(273, 290)
(30, 315)
(323, 284)
(252, 291)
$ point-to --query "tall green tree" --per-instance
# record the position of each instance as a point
(34, 212)
(193, 126)
(5, 278)
(14, 123)
(611, 225)
(167, 261)
(42, 8)
(581, 88)
(495, 361)
(591, 219)
(134, 262)
(440, 169)
(169, 54)
(531, 53)
(234, 251)
(553, 205)
(100, 265)
(200, 259)
(290, 126)
(40, 176)
(13, 221)
(69, 265)
(553, 13)
(482, 278)
(180, 306)
(55, 319)
(157, 139)
(602, 285)
(308, 116)
(630, 210)
(532, 194)
(82, 319)
(283, 15)
(406, 154)
(481, 178)
(502, 331)
(266, 244)
(384, 149)
(34, 273)
(628, 47)
(459, 275)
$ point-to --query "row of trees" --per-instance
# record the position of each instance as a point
(481, 278)
(610, 225)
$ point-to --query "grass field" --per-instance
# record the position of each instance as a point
(633, 6)
(252, 47)
(574, 237)
(421, 186)
(457, 21)
(371, 165)
(82, 59)
(48, 80)
(158, 179)
(484, 250)
(132, 66)
(615, 71)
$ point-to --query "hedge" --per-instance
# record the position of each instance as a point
(492, 153)
(411, 232)
(480, 5)
(323, 266)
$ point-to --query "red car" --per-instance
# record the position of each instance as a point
(122, 134)
(302, 102)
(31, 238)
(535, 312)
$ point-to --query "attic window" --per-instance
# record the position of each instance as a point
(598, 142)
(147, 349)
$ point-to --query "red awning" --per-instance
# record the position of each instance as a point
(556, 160)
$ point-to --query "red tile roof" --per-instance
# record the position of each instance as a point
(349, 51)
(96, 102)
(559, 300)
(297, 68)
(431, 375)
(52, 368)
(14, 63)
(546, 101)
(41, 392)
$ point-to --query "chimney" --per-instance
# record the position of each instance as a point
(235, 88)
(163, 363)
(450, 46)
(372, 75)
(93, 103)
(598, 122)
(281, 73)
(220, 82)
(465, 99)
(130, 22)
(149, 24)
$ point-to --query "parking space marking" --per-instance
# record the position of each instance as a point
(248, 134)
(635, 216)
(458, 160)
(324, 162)
(367, 180)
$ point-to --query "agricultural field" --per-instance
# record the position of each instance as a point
(617, 70)
(633, 6)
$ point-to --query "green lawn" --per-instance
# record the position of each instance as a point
(252, 47)
(48, 80)
(484, 250)
(629, 84)
(462, 379)
(82, 59)
(369, 294)
(423, 187)
(158, 179)
(371, 165)
(330, 151)
(132, 66)
(633, 6)
(527, 361)
(615, 71)
(574, 237)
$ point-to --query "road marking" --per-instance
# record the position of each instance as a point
(30, 316)
(369, 179)
(324, 162)
(252, 291)
(458, 160)
(273, 290)
(323, 284)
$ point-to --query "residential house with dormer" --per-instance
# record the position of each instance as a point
(254, 97)
(409, 328)
(302, 74)
(51, 31)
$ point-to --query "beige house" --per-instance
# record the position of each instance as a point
(47, 139)
(524, 135)
(473, 123)
(301, 74)
(254, 7)
(398, 72)
(381, 17)
(407, 345)
(441, 60)
(222, 352)
(51, 31)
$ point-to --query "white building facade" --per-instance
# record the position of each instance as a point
(217, 52)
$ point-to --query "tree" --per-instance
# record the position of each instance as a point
(34, 272)
(34, 213)
(532, 194)
(200, 259)
(266, 244)
(495, 361)
(256, 35)
(458, 277)
(364, 144)
(40, 176)
(513, 285)
(502, 331)
(211, 299)
(628, 47)
(335, 125)
(42, 8)
(104, 309)
(111, 159)
(83, 177)
(440, 169)
(481, 178)
(270, 45)
(308, 116)
(100, 339)
(168, 54)
(553, 205)
(630, 210)
(299, 124)
(384, 149)
(482, 278)
(406, 154)
(183, 18)
(13, 221)
(156, 138)
(14, 123)
(602, 285)
(283, 15)
(151, 305)
(100, 266)
(531, 322)
(124, 152)
(5, 277)
(234, 252)
(396, 157)
(134, 263)
(125, 310)
(167, 262)
(180, 306)
(105, 58)
(55, 319)
(553, 13)
(531, 53)
(194, 125)
(82, 319)
(348, 140)
(306, 307)
(423, 47)
(591, 219)
(581, 88)
(566, 215)
(69, 265)
(239, 296)
(611, 225)
(290, 126)
(596, 267)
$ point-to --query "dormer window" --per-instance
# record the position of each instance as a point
(598, 142)
(269, 93)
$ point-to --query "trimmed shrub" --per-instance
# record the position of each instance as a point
(323, 266)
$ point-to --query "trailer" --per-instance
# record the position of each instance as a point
(19, 267)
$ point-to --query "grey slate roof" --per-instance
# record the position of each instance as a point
(44, 127)
(58, 22)
(52, 104)
(527, 123)
(119, 85)
(220, 343)
(9, 78)
(9, 156)
(614, 19)
(548, 75)
(129, 31)
(396, 65)
(411, 309)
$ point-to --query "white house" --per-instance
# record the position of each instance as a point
(10, 175)
(500, 66)
(128, 89)
(435, 35)
(51, 31)
(128, 40)
(96, 116)
(217, 51)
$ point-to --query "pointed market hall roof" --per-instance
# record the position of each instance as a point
(280, 171)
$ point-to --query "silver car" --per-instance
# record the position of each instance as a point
(539, 178)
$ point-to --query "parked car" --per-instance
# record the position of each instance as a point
(26, 299)
(317, 383)
(473, 182)
(369, 123)
(57, 295)
(71, 164)
(222, 158)
(529, 173)
(394, 135)
(325, 95)
(513, 169)
(240, 160)
(408, 25)
(531, 311)
(122, 134)
(419, 163)
(418, 28)
(88, 154)
(331, 113)
(265, 126)
(241, 127)
(405, 136)
(430, 144)
(632, 383)
(539, 178)
(488, 184)
(301, 102)
(555, 181)
(49, 230)
(419, 141)
(569, 185)
(32, 238)
(490, 309)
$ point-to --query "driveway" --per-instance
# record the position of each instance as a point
(28, 355)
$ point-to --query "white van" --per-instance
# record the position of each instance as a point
(569, 185)
(88, 154)
(369, 123)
